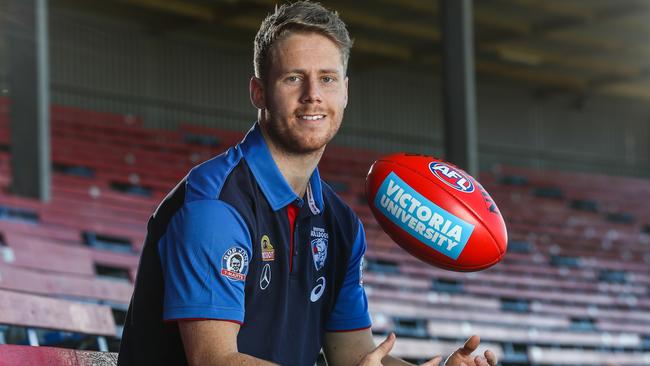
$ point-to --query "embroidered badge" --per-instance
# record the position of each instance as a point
(234, 264)
(318, 241)
(265, 278)
(268, 252)
(318, 290)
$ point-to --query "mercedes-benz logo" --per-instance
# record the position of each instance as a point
(265, 279)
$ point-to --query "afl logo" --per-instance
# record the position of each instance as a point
(452, 177)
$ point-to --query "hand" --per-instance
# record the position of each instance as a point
(463, 356)
(375, 357)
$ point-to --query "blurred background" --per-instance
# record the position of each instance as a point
(133, 93)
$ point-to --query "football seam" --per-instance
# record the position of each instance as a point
(492, 236)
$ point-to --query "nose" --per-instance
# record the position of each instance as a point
(311, 92)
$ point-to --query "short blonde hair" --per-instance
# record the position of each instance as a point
(300, 16)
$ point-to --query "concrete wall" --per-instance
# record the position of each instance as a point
(118, 66)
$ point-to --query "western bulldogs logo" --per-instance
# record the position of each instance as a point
(319, 247)
(234, 264)
(452, 177)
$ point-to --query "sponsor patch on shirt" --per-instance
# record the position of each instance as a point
(234, 264)
(268, 252)
(318, 290)
(265, 278)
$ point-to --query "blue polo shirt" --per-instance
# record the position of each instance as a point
(221, 246)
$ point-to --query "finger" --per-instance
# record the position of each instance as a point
(384, 348)
(480, 361)
(470, 345)
(491, 358)
(433, 362)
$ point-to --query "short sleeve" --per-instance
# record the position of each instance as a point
(205, 255)
(351, 309)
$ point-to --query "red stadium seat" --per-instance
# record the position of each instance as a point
(13, 355)
(16, 278)
(576, 269)
(44, 312)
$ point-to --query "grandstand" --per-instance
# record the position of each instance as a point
(573, 289)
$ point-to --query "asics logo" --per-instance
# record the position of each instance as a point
(318, 290)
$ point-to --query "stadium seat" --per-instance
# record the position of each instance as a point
(575, 278)
(14, 355)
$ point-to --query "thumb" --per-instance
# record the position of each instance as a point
(384, 347)
(433, 362)
(470, 345)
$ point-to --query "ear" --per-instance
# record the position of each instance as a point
(257, 95)
(345, 104)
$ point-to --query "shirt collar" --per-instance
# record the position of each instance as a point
(275, 188)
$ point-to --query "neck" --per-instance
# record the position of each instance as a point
(295, 168)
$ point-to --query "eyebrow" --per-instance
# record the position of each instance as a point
(303, 71)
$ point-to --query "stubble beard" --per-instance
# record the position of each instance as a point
(295, 143)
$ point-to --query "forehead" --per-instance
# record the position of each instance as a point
(305, 51)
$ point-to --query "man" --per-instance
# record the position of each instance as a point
(252, 259)
(235, 263)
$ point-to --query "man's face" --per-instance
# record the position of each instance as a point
(235, 264)
(305, 93)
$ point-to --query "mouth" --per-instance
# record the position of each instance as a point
(311, 117)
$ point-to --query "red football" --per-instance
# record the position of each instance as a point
(436, 212)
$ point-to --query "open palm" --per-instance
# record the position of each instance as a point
(463, 356)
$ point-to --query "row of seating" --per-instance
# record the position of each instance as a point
(13, 355)
(573, 280)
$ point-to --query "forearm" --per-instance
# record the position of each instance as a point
(245, 360)
(213, 342)
(234, 358)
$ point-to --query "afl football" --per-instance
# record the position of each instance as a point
(436, 212)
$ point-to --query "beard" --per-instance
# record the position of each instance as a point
(299, 139)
